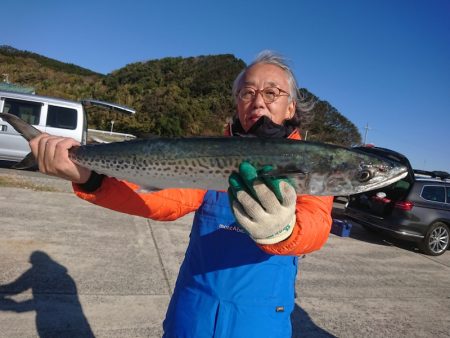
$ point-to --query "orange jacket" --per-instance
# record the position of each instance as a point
(309, 234)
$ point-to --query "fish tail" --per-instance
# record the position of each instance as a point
(28, 132)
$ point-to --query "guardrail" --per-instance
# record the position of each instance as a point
(104, 136)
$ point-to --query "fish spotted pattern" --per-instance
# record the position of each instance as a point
(206, 162)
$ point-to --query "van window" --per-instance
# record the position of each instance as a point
(434, 193)
(61, 117)
(28, 111)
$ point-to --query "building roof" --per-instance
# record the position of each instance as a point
(10, 87)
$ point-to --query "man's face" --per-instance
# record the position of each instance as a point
(258, 77)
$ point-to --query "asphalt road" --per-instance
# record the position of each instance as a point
(72, 269)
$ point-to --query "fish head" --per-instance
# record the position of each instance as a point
(375, 175)
(369, 174)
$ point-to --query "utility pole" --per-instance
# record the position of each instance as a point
(365, 133)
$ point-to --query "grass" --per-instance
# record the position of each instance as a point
(11, 181)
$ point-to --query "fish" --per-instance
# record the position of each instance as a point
(313, 168)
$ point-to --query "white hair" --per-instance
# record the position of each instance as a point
(271, 58)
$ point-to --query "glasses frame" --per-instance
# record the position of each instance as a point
(261, 91)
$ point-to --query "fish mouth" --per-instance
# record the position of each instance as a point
(384, 182)
(396, 178)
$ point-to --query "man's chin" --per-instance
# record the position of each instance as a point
(251, 121)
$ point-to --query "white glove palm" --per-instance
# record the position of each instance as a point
(266, 218)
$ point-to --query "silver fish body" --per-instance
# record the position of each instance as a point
(206, 162)
(313, 168)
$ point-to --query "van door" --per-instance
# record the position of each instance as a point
(14, 147)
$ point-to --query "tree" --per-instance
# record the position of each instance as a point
(172, 96)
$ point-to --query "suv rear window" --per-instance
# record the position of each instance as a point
(61, 117)
(433, 193)
(28, 111)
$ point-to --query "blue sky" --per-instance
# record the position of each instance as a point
(381, 63)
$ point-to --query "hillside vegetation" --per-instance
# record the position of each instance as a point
(173, 96)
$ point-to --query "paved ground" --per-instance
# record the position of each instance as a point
(78, 270)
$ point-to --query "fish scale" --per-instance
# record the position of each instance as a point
(206, 162)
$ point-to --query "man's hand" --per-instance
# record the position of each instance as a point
(52, 156)
(263, 206)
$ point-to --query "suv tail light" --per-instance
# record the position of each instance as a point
(404, 205)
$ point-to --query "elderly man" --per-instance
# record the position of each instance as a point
(238, 275)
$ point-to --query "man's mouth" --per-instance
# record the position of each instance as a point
(250, 121)
(254, 117)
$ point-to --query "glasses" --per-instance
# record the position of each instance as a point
(269, 94)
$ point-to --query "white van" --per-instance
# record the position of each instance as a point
(51, 115)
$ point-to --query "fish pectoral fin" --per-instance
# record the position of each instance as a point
(288, 173)
(28, 162)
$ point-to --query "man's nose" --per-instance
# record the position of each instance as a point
(258, 99)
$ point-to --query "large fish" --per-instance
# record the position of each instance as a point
(206, 162)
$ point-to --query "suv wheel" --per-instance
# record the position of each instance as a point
(436, 240)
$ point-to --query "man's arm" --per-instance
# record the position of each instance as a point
(52, 155)
(122, 196)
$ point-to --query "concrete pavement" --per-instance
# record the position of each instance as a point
(72, 269)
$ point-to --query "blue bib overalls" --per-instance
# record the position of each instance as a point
(227, 286)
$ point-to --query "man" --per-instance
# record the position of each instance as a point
(238, 275)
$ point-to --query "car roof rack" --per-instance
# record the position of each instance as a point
(443, 175)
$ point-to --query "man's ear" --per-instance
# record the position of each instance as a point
(291, 109)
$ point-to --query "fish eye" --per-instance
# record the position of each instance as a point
(364, 175)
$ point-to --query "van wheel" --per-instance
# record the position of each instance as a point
(436, 240)
(370, 229)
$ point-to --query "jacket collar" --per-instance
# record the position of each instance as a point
(295, 135)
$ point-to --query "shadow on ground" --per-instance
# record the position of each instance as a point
(55, 299)
(303, 326)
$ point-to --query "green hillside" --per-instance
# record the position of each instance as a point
(173, 96)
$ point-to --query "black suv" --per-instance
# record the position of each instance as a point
(416, 208)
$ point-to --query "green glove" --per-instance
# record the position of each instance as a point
(264, 206)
